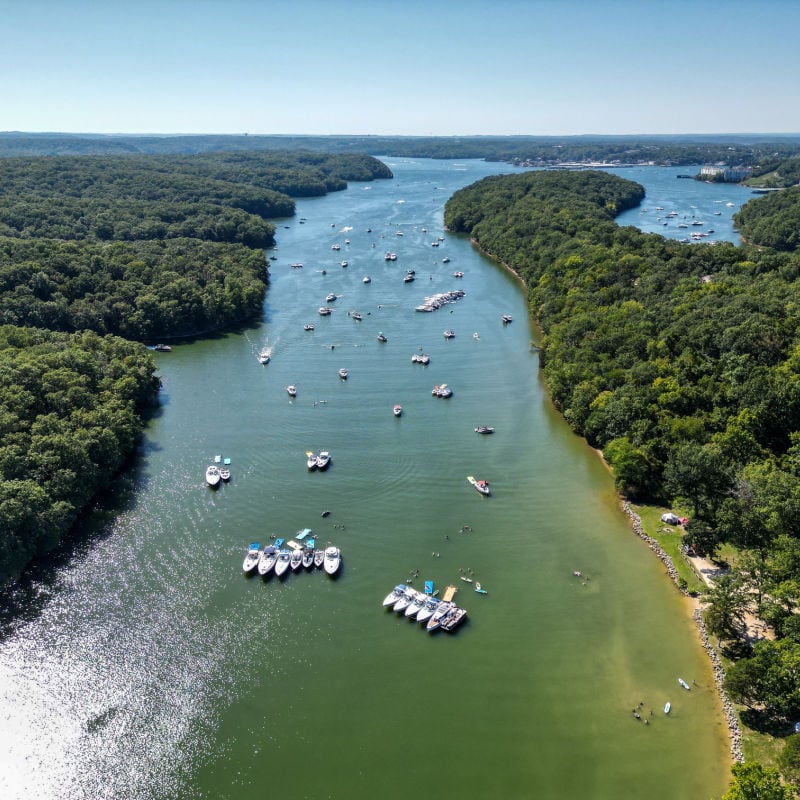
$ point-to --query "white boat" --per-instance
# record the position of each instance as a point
(427, 610)
(481, 486)
(333, 560)
(252, 557)
(267, 559)
(667, 708)
(458, 274)
(394, 595)
(454, 618)
(446, 260)
(366, 279)
(319, 558)
(308, 558)
(441, 611)
(296, 560)
(356, 316)
(282, 562)
(311, 460)
(343, 373)
(402, 602)
(415, 606)
(325, 311)
(344, 263)
(442, 390)
(296, 265)
(212, 475)
(308, 326)
(476, 335)
(484, 429)
(336, 247)
(292, 390)
(397, 410)
(408, 278)
(225, 473)
(507, 318)
(263, 357)
(683, 683)
(323, 459)
(448, 334)
(330, 298)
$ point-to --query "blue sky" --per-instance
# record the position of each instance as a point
(404, 67)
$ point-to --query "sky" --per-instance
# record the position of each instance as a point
(400, 67)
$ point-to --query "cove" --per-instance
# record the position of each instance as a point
(142, 663)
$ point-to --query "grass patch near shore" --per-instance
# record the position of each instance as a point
(670, 538)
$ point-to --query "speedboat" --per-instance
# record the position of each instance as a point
(458, 274)
(252, 557)
(394, 595)
(212, 475)
(408, 278)
(442, 390)
(292, 390)
(484, 429)
(366, 279)
(446, 260)
(311, 460)
(296, 560)
(282, 562)
(308, 558)
(296, 265)
(162, 348)
(414, 607)
(325, 311)
(507, 318)
(330, 298)
(225, 473)
(397, 410)
(442, 610)
(426, 612)
(481, 486)
(323, 459)
(454, 618)
(336, 247)
(448, 334)
(308, 326)
(344, 263)
(402, 602)
(267, 559)
(319, 558)
(333, 560)
(263, 357)
(476, 335)
(343, 372)
(356, 316)
(382, 337)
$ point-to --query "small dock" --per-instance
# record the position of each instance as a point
(449, 594)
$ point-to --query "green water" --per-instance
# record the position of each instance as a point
(142, 664)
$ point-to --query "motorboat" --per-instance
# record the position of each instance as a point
(408, 278)
(336, 247)
(282, 562)
(296, 265)
(162, 348)
(442, 390)
(263, 357)
(428, 609)
(481, 486)
(308, 558)
(324, 311)
(416, 604)
(382, 337)
(330, 298)
(420, 358)
(212, 475)
(323, 459)
(311, 459)
(344, 263)
(484, 429)
(458, 274)
(225, 473)
(394, 595)
(319, 558)
(366, 279)
(446, 260)
(507, 318)
(291, 390)
(442, 610)
(308, 326)
(356, 316)
(397, 410)
(252, 557)
(448, 334)
(402, 602)
(453, 619)
(267, 559)
(296, 560)
(343, 373)
(332, 560)
(476, 335)
(683, 683)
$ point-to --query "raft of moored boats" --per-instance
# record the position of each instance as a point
(276, 559)
(425, 608)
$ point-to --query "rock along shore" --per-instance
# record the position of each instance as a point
(731, 717)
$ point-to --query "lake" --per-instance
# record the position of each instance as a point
(142, 663)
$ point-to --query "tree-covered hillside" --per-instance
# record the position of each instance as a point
(773, 220)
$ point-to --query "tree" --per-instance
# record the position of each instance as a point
(753, 781)
(729, 600)
(789, 760)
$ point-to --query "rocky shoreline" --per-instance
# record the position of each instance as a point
(731, 717)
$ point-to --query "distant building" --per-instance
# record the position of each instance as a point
(722, 172)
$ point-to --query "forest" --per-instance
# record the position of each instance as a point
(682, 364)
(772, 222)
(98, 255)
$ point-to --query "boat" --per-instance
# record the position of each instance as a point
(292, 390)
(336, 247)
(481, 486)
(442, 610)
(507, 318)
(402, 602)
(685, 685)
(225, 473)
(319, 558)
(458, 274)
(466, 578)
(344, 263)
(397, 410)
(330, 298)
(446, 260)
(366, 279)
(356, 316)
(332, 560)
(323, 459)
(311, 459)
(382, 337)
(263, 357)
(252, 557)
(267, 559)
(296, 265)
(296, 560)
(484, 429)
(308, 558)
(282, 562)
(343, 373)
(408, 278)
(394, 595)
(325, 311)
(416, 604)
(453, 619)
(667, 708)
(442, 390)
(212, 475)
(476, 335)
(308, 326)
(428, 609)
(420, 358)
(448, 334)
(479, 589)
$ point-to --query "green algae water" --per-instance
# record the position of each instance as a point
(141, 663)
